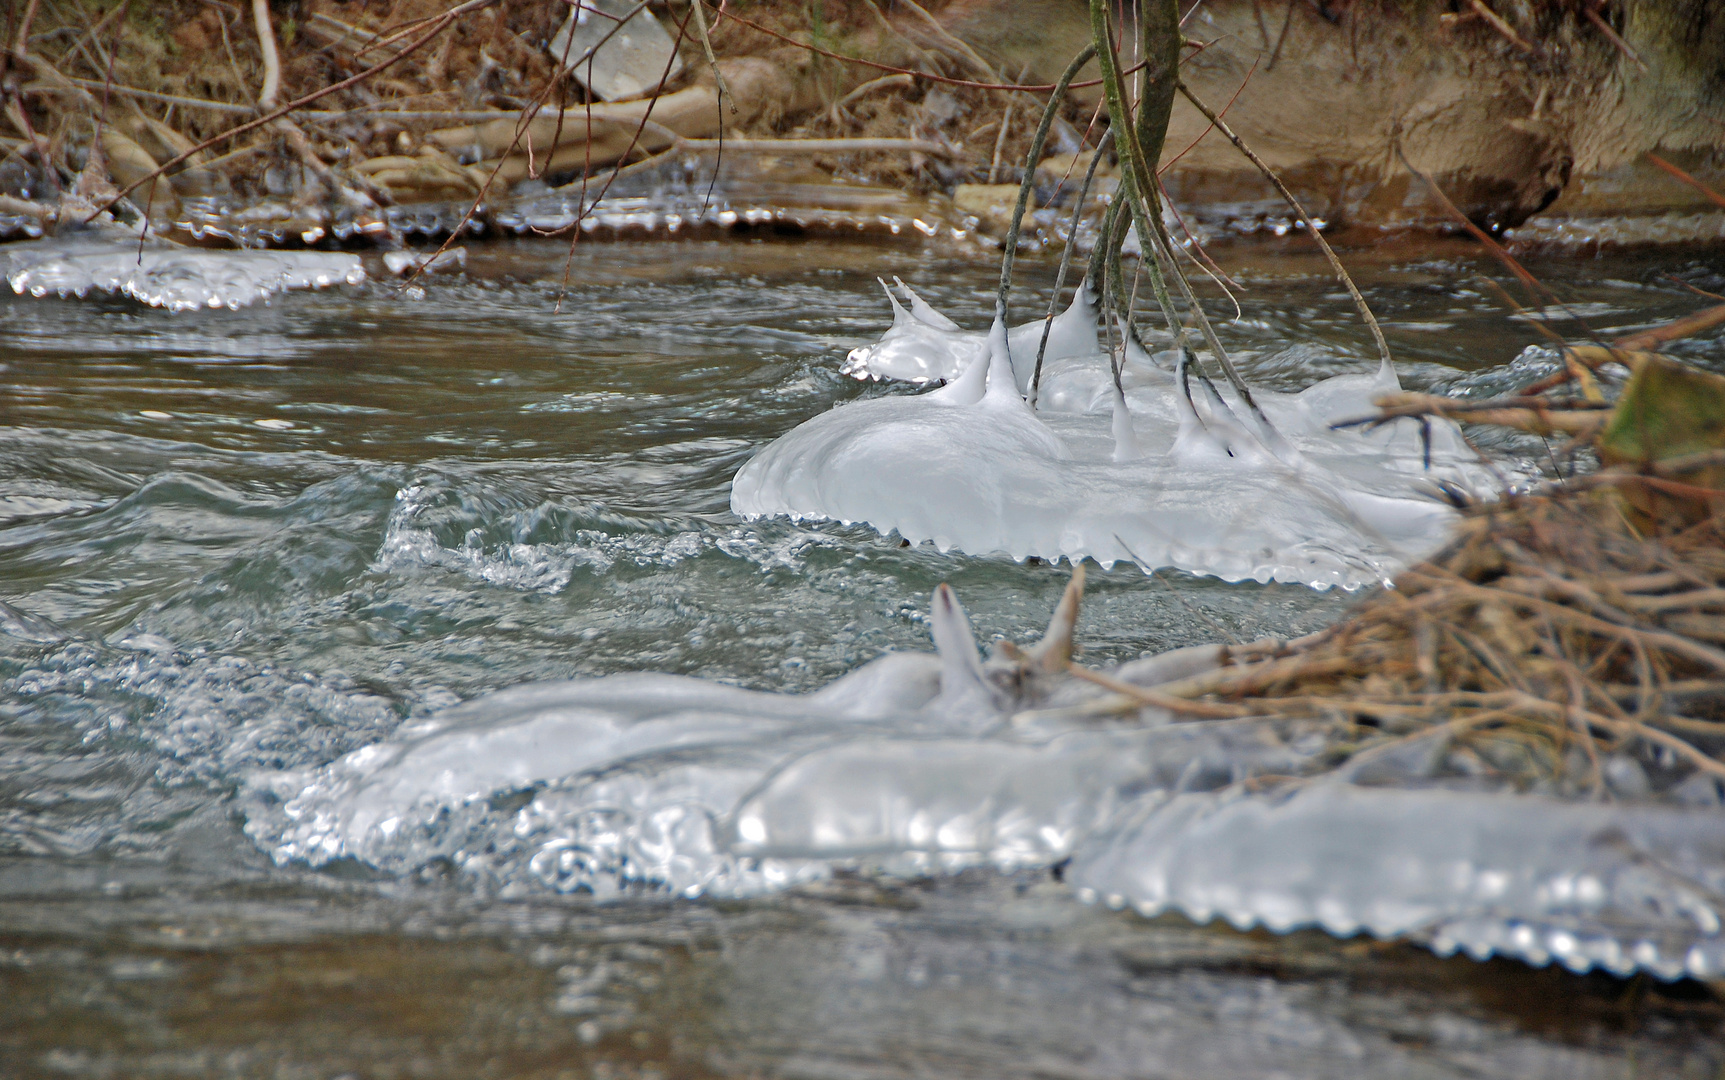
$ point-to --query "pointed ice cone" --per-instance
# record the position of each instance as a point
(922, 311)
(925, 346)
(1125, 442)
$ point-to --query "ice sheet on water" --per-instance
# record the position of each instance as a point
(167, 275)
(1623, 888)
(1016, 798)
(917, 764)
(1140, 475)
(694, 787)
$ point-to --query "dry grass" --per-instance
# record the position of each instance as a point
(1547, 638)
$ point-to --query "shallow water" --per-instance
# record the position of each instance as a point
(259, 540)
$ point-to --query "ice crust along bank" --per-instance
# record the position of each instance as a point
(912, 764)
(1139, 473)
(168, 275)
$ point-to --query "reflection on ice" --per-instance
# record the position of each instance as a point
(1130, 472)
(167, 275)
(916, 764)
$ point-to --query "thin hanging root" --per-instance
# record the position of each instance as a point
(1028, 183)
(1133, 156)
(1305, 219)
(272, 62)
(1000, 142)
(1065, 264)
(1117, 302)
(1098, 265)
(1158, 285)
(712, 61)
(1201, 258)
(1160, 44)
(1709, 193)
(1540, 294)
(1165, 244)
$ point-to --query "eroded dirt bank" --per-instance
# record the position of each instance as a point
(1542, 112)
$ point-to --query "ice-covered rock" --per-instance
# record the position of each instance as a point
(392, 804)
(916, 764)
(1133, 471)
(168, 275)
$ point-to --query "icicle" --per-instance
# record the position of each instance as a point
(964, 689)
(1193, 442)
(1242, 443)
(1125, 442)
(1073, 333)
(1386, 380)
(1002, 382)
(968, 388)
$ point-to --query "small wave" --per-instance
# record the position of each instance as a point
(535, 548)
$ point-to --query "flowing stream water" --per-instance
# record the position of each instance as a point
(241, 542)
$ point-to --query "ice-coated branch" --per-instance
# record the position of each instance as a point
(1066, 261)
(1141, 139)
(1026, 185)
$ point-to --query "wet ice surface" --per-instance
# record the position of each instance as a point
(469, 493)
(167, 275)
(1618, 888)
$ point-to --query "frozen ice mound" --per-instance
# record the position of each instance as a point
(1137, 473)
(1622, 888)
(167, 275)
(917, 764)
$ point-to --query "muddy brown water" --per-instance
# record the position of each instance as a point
(231, 542)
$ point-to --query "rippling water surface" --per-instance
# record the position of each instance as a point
(233, 542)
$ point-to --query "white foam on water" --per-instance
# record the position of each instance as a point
(507, 556)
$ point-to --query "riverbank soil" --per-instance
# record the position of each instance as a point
(1560, 111)
(1533, 108)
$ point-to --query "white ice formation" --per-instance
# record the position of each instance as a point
(924, 346)
(168, 275)
(916, 764)
(1140, 473)
(1621, 888)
